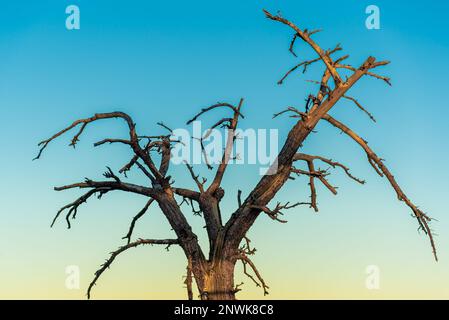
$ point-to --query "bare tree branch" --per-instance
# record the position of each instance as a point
(195, 177)
(371, 74)
(111, 185)
(274, 214)
(134, 220)
(360, 107)
(73, 207)
(306, 37)
(307, 63)
(333, 164)
(104, 141)
(239, 198)
(101, 187)
(217, 105)
(261, 282)
(378, 164)
(133, 141)
(228, 150)
(269, 185)
(114, 254)
(43, 144)
(292, 44)
(186, 193)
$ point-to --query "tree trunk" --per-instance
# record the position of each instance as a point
(216, 282)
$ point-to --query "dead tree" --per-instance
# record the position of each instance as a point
(228, 242)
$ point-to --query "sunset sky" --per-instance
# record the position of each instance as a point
(163, 61)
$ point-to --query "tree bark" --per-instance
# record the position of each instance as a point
(216, 282)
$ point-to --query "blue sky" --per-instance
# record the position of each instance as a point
(164, 61)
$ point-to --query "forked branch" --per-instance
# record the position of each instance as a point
(274, 213)
(133, 138)
(73, 207)
(306, 63)
(333, 164)
(260, 282)
(323, 55)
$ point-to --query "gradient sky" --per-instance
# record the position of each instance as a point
(163, 61)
